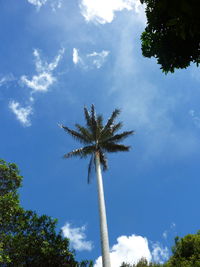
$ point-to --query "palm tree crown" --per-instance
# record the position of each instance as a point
(97, 138)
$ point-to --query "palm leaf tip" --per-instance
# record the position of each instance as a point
(120, 137)
(87, 117)
(60, 125)
(91, 164)
(93, 114)
(82, 138)
(93, 108)
(74, 153)
(115, 113)
(111, 120)
(114, 147)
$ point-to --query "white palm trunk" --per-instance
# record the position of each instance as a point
(102, 213)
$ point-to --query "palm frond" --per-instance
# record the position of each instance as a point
(120, 137)
(109, 127)
(100, 121)
(116, 127)
(99, 126)
(111, 120)
(93, 113)
(90, 167)
(81, 152)
(87, 117)
(94, 122)
(84, 131)
(104, 136)
(78, 136)
(103, 160)
(113, 147)
(74, 153)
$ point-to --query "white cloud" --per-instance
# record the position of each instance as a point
(43, 66)
(44, 79)
(39, 82)
(77, 237)
(89, 61)
(22, 113)
(102, 11)
(128, 249)
(75, 57)
(131, 249)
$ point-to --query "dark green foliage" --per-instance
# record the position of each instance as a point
(186, 252)
(27, 239)
(99, 139)
(10, 180)
(172, 34)
(34, 242)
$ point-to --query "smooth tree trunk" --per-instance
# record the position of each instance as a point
(102, 214)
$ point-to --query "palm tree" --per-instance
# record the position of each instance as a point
(99, 139)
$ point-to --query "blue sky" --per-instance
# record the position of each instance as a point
(57, 56)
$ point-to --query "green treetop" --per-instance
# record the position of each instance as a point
(27, 239)
(172, 33)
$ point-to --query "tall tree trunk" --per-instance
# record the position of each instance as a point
(102, 214)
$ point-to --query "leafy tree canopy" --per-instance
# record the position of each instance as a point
(186, 252)
(172, 34)
(27, 239)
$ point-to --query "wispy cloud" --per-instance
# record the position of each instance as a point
(40, 82)
(22, 113)
(132, 248)
(77, 237)
(6, 79)
(38, 3)
(168, 231)
(44, 79)
(97, 59)
(165, 234)
(91, 60)
(43, 66)
(159, 253)
(147, 104)
(103, 11)
(195, 118)
(55, 4)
